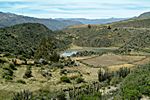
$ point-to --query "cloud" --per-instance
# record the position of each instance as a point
(76, 8)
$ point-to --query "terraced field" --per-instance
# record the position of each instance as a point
(115, 60)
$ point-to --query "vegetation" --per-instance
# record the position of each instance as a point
(32, 50)
(79, 80)
(87, 53)
(8, 71)
(137, 43)
(28, 72)
(135, 23)
(105, 74)
(21, 81)
(65, 79)
(136, 84)
(101, 36)
(23, 95)
(31, 40)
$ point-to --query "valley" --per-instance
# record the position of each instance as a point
(81, 62)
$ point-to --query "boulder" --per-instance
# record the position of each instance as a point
(18, 62)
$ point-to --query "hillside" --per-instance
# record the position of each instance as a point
(138, 42)
(145, 15)
(134, 23)
(101, 36)
(142, 21)
(24, 39)
(9, 19)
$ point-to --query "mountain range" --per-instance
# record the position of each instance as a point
(10, 19)
(93, 21)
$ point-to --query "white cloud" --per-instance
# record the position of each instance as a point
(76, 8)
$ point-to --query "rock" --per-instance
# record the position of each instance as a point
(42, 61)
(30, 62)
(18, 62)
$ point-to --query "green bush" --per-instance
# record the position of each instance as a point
(7, 77)
(65, 79)
(136, 84)
(23, 95)
(80, 80)
(12, 66)
(123, 72)
(21, 81)
(104, 75)
(63, 71)
(115, 80)
(28, 72)
(61, 96)
(7, 72)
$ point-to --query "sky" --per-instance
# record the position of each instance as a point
(92, 9)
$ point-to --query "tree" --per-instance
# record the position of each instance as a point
(89, 26)
(47, 50)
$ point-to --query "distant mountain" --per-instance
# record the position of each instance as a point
(145, 15)
(93, 21)
(9, 19)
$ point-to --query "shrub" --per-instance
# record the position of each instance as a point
(7, 77)
(136, 84)
(21, 81)
(12, 66)
(104, 75)
(23, 95)
(7, 72)
(63, 71)
(65, 79)
(79, 80)
(89, 26)
(61, 96)
(123, 72)
(115, 80)
(28, 72)
(46, 73)
(58, 65)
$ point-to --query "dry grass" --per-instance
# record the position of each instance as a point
(117, 67)
(113, 62)
(111, 59)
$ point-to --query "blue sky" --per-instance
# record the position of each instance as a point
(76, 8)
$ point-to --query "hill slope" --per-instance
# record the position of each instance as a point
(134, 23)
(101, 36)
(139, 42)
(145, 15)
(24, 39)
